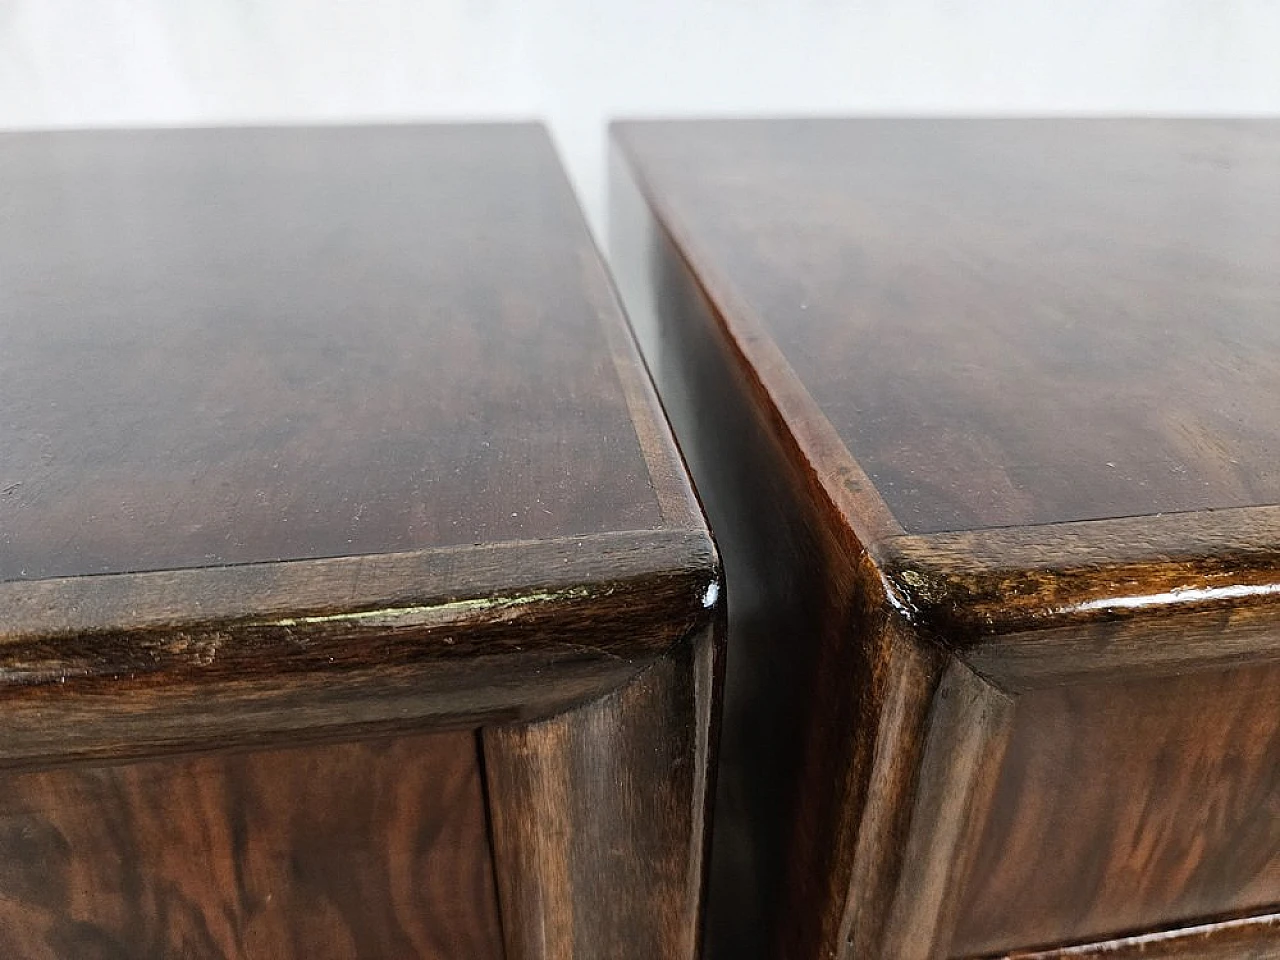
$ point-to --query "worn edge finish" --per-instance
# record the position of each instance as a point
(918, 583)
(1244, 938)
(134, 664)
(614, 637)
(1045, 604)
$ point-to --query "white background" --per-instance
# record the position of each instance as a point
(578, 62)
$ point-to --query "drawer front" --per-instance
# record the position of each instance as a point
(1126, 806)
(370, 849)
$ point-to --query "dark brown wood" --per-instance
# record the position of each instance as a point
(1066, 602)
(1250, 938)
(782, 783)
(600, 816)
(373, 849)
(982, 586)
(1129, 804)
(230, 346)
(959, 758)
(405, 338)
(321, 435)
(917, 367)
(127, 665)
(925, 282)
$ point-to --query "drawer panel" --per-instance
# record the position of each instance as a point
(371, 849)
(1130, 805)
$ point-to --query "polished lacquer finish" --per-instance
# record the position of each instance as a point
(1008, 323)
(224, 347)
(317, 440)
(984, 412)
(365, 849)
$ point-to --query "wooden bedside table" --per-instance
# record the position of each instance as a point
(327, 448)
(987, 417)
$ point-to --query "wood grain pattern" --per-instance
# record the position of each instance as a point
(960, 759)
(856, 331)
(394, 455)
(1249, 938)
(923, 280)
(234, 346)
(600, 817)
(314, 436)
(1129, 804)
(977, 585)
(823, 739)
(140, 663)
(375, 849)
(768, 855)
(1076, 601)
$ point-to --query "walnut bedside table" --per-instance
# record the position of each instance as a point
(353, 601)
(987, 418)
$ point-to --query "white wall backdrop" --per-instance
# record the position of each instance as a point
(578, 62)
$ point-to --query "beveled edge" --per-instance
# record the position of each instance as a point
(130, 664)
(1034, 604)
(1074, 598)
(1011, 579)
(1240, 938)
(794, 415)
(448, 585)
(668, 478)
(887, 568)
(135, 664)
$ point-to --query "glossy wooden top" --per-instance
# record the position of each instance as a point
(1005, 322)
(307, 431)
(235, 346)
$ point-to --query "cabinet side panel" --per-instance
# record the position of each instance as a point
(1127, 806)
(369, 849)
(779, 574)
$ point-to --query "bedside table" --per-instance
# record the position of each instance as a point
(353, 601)
(985, 414)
